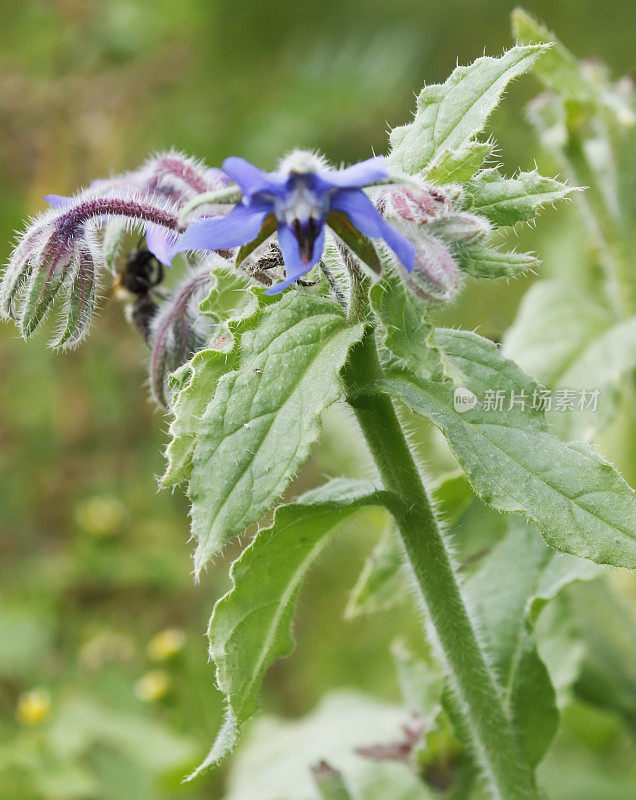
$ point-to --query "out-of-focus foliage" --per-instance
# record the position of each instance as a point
(93, 562)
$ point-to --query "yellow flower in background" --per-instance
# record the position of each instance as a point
(153, 686)
(33, 707)
(101, 515)
(166, 644)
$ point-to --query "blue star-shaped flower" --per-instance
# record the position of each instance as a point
(298, 197)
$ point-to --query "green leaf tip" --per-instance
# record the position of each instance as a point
(507, 201)
(251, 625)
(451, 114)
(578, 501)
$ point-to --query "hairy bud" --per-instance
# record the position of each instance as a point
(178, 330)
(430, 218)
(177, 178)
(61, 251)
(435, 276)
(412, 202)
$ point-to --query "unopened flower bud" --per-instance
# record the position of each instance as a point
(61, 252)
(435, 276)
(178, 330)
(413, 203)
(459, 226)
(178, 178)
(329, 782)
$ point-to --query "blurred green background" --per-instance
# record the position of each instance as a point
(93, 561)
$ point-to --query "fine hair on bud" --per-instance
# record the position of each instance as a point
(62, 251)
(179, 329)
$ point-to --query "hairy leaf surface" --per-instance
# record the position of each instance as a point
(506, 201)
(236, 308)
(566, 340)
(521, 574)
(484, 261)
(265, 415)
(251, 624)
(579, 503)
(407, 332)
(458, 166)
(449, 115)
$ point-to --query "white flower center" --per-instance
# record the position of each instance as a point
(300, 204)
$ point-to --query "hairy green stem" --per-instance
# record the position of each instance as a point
(494, 743)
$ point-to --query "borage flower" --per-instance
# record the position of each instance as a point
(297, 200)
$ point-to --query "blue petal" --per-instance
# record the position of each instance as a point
(368, 220)
(57, 200)
(357, 175)
(241, 225)
(251, 180)
(294, 265)
(160, 242)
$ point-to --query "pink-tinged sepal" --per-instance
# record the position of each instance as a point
(435, 276)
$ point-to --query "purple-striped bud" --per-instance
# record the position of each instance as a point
(177, 178)
(410, 202)
(61, 251)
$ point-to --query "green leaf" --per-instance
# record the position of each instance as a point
(555, 323)
(251, 624)
(514, 582)
(506, 201)
(383, 582)
(606, 620)
(577, 500)
(407, 331)
(483, 261)
(275, 758)
(560, 70)
(499, 592)
(264, 417)
(237, 308)
(449, 115)
(420, 682)
(561, 570)
(458, 166)
(567, 341)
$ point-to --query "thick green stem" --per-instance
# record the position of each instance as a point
(494, 743)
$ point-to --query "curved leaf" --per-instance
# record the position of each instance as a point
(251, 624)
(577, 500)
(449, 115)
(506, 201)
